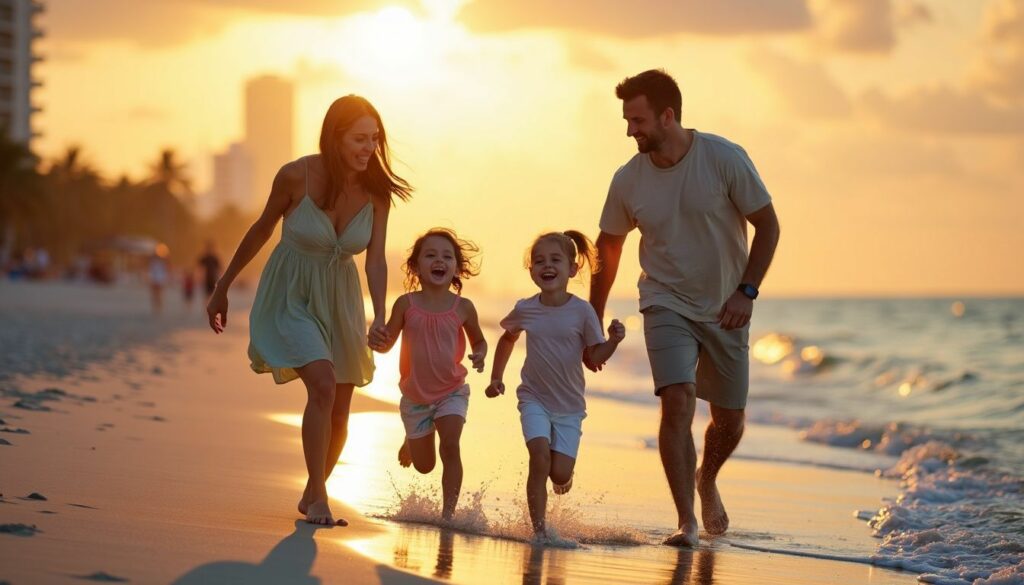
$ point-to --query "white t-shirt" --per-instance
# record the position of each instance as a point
(692, 221)
(555, 339)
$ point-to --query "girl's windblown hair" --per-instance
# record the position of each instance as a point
(575, 245)
(466, 264)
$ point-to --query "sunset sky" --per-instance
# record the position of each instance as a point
(890, 133)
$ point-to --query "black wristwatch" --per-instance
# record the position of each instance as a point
(748, 290)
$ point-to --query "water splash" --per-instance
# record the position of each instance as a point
(567, 524)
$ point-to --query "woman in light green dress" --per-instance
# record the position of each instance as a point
(307, 319)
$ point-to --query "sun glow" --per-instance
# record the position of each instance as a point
(393, 46)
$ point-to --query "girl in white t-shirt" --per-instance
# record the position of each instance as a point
(561, 331)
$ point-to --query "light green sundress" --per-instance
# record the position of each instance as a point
(309, 304)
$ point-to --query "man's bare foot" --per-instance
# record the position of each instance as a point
(320, 513)
(562, 488)
(685, 536)
(712, 511)
(404, 455)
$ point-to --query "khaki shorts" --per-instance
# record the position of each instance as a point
(419, 418)
(682, 351)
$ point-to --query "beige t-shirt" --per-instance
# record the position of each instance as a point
(693, 229)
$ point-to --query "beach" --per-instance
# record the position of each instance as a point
(163, 459)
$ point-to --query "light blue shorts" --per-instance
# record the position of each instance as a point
(419, 418)
(563, 431)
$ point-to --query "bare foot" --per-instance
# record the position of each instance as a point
(320, 513)
(685, 536)
(404, 456)
(712, 512)
(562, 488)
(304, 502)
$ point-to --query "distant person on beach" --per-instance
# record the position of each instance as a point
(560, 329)
(209, 262)
(691, 195)
(307, 319)
(158, 273)
(434, 323)
(188, 286)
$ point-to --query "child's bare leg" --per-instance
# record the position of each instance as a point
(404, 456)
(537, 481)
(449, 430)
(561, 472)
(421, 451)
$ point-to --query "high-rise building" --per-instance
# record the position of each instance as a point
(269, 126)
(232, 178)
(18, 32)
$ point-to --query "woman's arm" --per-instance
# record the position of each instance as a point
(382, 343)
(376, 263)
(281, 195)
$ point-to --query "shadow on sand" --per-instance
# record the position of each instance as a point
(288, 562)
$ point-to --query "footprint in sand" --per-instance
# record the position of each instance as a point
(102, 577)
(5, 442)
(35, 496)
(24, 530)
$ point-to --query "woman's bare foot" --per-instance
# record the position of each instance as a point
(320, 513)
(304, 502)
(404, 455)
(686, 536)
(712, 511)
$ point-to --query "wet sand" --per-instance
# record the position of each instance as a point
(181, 466)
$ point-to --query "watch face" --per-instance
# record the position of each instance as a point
(749, 290)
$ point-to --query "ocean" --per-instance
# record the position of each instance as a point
(924, 396)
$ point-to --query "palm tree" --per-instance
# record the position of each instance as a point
(21, 210)
(170, 173)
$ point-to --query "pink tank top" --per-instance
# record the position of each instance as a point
(433, 346)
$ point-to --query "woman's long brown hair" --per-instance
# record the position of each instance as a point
(378, 178)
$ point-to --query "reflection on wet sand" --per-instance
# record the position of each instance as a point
(445, 556)
(432, 552)
(533, 566)
(694, 567)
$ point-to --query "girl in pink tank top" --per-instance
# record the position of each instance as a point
(434, 323)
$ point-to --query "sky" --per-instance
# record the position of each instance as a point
(890, 133)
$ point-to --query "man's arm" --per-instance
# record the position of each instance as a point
(738, 308)
(609, 251)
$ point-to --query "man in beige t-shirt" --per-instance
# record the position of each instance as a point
(691, 195)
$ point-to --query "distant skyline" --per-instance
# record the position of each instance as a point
(890, 133)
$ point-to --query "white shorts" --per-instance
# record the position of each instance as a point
(563, 431)
(419, 418)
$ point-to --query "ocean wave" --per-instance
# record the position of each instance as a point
(955, 520)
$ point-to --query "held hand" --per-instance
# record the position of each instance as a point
(217, 311)
(736, 311)
(377, 337)
(496, 388)
(478, 361)
(616, 331)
